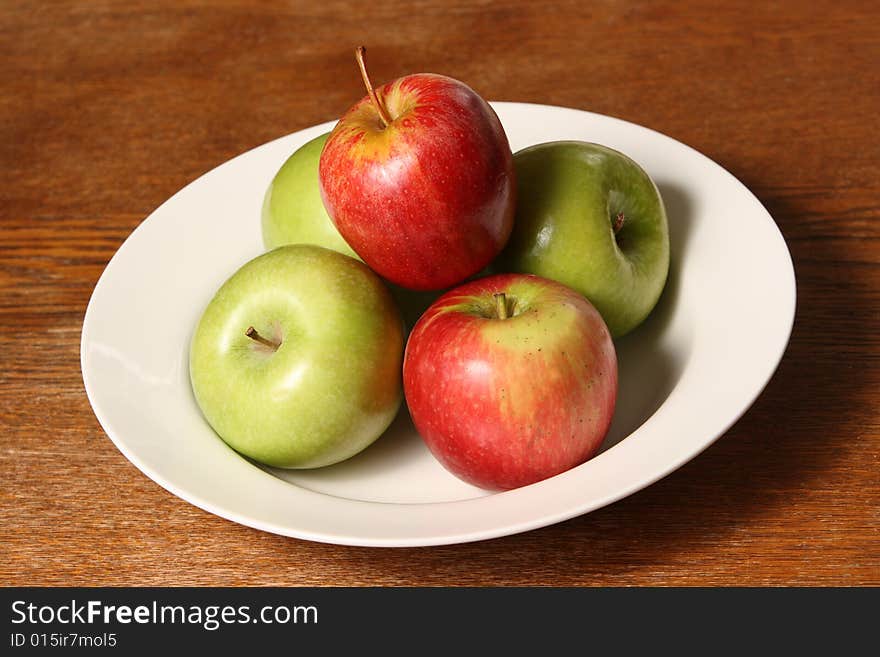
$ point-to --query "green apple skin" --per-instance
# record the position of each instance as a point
(293, 212)
(333, 385)
(570, 194)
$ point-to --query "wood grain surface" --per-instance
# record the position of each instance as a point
(108, 108)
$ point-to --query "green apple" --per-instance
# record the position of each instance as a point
(296, 361)
(591, 218)
(293, 212)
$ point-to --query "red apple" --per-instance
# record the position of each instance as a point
(418, 178)
(511, 379)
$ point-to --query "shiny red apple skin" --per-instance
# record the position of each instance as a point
(428, 200)
(504, 403)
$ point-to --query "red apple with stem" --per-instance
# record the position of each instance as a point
(511, 379)
(418, 178)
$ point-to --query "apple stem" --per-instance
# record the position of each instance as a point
(359, 55)
(617, 224)
(501, 305)
(256, 337)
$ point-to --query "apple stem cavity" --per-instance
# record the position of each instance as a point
(617, 223)
(501, 305)
(359, 54)
(256, 337)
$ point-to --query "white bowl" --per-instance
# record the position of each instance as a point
(686, 375)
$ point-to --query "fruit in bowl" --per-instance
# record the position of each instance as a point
(296, 361)
(591, 218)
(293, 212)
(418, 178)
(511, 379)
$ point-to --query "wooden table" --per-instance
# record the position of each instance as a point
(108, 108)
